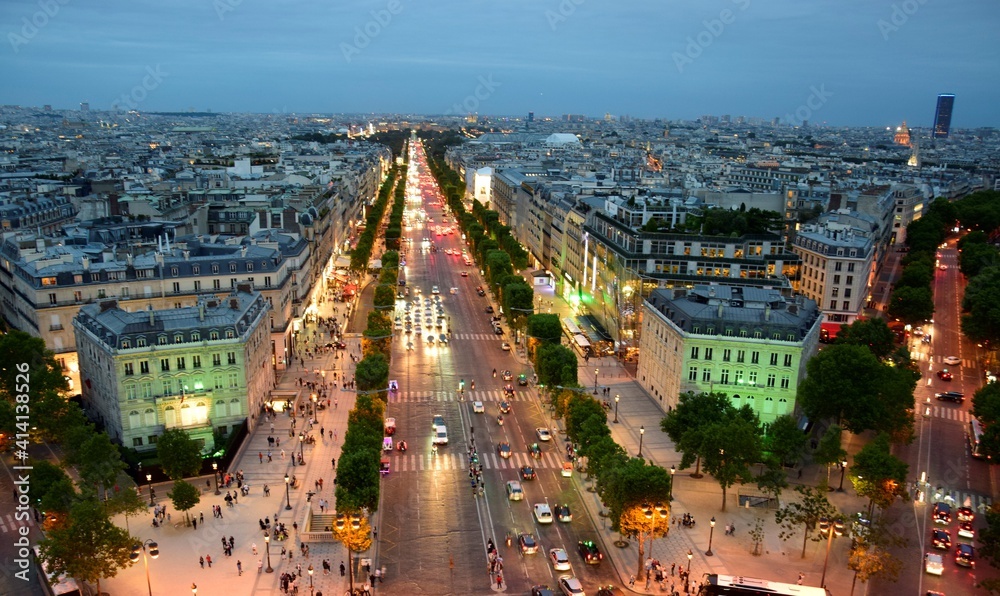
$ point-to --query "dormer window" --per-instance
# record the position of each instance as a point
(162, 340)
(249, 266)
(215, 268)
(178, 339)
(232, 267)
(140, 342)
(126, 344)
(196, 269)
(195, 336)
(214, 335)
(230, 334)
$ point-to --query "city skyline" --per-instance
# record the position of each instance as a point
(868, 64)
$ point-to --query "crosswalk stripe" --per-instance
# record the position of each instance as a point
(951, 413)
(978, 503)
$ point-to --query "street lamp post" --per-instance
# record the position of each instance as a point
(596, 370)
(711, 534)
(302, 440)
(670, 495)
(310, 570)
(314, 398)
(154, 551)
(288, 500)
(215, 476)
(617, 398)
(843, 468)
(267, 550)
(642, 432)
(149, 480)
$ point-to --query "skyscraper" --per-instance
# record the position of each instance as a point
(942, 116)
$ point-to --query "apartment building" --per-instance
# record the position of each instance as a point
(204, 368)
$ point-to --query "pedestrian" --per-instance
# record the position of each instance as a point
(375, 532)
(201, 517)
(672, 567)
(239, 566)
(267, 491)
(631, 581)
(333, 462)
(253, 547)
(208, 559)
(201, 561)
(343, 569)
(260, 456)
(321, 432)
(195, 523)
(801, 577)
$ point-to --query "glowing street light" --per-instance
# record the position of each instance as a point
(617, 399)
(288, 502)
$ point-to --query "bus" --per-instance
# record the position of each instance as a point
(975, 436)
(54, 585)
(732, 585)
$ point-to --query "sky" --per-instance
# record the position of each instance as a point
(834, 62)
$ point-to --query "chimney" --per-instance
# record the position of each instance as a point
(720, 309)
(244, 286)
(201, 311)
(767, 312)
(108, 305)
(243, 251)
(187, 255)
(234, 303)
(152, 318)
(86, 263)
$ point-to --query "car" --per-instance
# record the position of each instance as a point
(563, 513)
(504, 407)
(340, 345)
(478, 407)
(943, 267)
(490, 310)
(535, 451)
(941, 539)
(508, 389)
(497, 330)
(559, 559)
(965, 555)
(571, 586)
(934, 564)
(541, 590)
(442, 338)
(543, 434)
(435, 290)
(505, 347)
(522, 380)
(481, 291)
(955, 396)
(437, 421)
(507, 375)
(966, 530)
(526, 542)
(952, 360)
(589, 552)
(514, 491)
(527, 473)
(608, 590)
(503, 450)
(941, 513)
(440, 435)
(543, 513)
(465, 273)
(430, 339)
(965, 514)
(944, 375)
(925, 339)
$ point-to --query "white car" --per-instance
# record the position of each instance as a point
(514, 491)
(543, 513)
(933, 564)
(571, 586)
(505, 347)
(435, 290)
(559, 558)
(543, 434)
(441, 435)
(952, 360)
(478, 407)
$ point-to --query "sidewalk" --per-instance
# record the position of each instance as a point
(702, 498)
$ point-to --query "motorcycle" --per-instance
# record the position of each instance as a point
(500, 420)
(401, 446)
(473, 384)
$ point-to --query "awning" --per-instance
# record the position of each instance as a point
(350, 289)
(342, 262)
(829, 331)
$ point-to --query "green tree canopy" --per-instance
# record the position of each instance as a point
(685, 424)
(184, 496)
(878, 475)
(99, 462)
(556, 365)
(911, 305)
(581, 408)
(784, 440)
(30, 370)
(179, 454)
(982, 319)
(637, 496)
(729, 447)
(806, 512)
(872, 333)
(358, 480)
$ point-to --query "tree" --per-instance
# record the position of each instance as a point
(989, 537)
(372, 374)
(355, 539)
(543, 329)
(878, 475)
(976, 257)
(869, 560)
(986, 407)
(90, 548)
(602, 455)
(358, 480)
(99, 462)
(636, 494)
(911, 305)
(582, 408)
(829, 451)
(26, 358)
(784, 440)
(730, 447)
(684, 424)
(127, 502)
(556, 365)
(872, 333)
(184, 497)
(982, 319)
(806, 512)
(179, 454)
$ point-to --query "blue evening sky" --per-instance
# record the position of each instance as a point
(842, 62)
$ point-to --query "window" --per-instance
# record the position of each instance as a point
(197, 285)
(850, 280)
(724, 377)
(168, 386)
(140, 342)
(52, 299)
(836, 278)
(178, 339)
(77, 295)
(216, 284)
(131, 391)
(144, 367)
(784, 382)
(706, 375)
(215, 268)
(267, 281)
(708, 353)
(694, 352)
(196, 361)
(233, 380)
(216, 359)
(693, 374)
(213, 335)
(177, 287)
(146, 390)
(180, 363)
(755, 357)
(232, 267)
(729, 331)
(137, 441)
(249, 266)
(847, 305)
(217, 381)
(739, 377)
(850, 266)
(743, 332)
(162, 340)
(124, 292)
(195, 336)
(770, 380)
(741, 356)
(173, 271)
(727, 355)
(230, 334)
(836, 292)
(129, 369)
(231, 357)
(126, 344)
(752, 377)
(165, 364)
(196, 270)
(153, 439)
(837, 266)
(788, 359)
(847, 292)
(774, 360)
